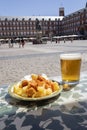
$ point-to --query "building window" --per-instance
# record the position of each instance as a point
(13, 23)
(21, 33)
(18, 28)
(17, 23)
(24, 33)
(0, 28)
(23, 23)
(4, 28)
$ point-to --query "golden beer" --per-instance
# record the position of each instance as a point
(70, 67)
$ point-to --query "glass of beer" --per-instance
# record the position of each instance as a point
(70, 68)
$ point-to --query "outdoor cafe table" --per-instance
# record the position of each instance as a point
(68, 111)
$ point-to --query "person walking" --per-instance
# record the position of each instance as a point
(9, 43)
(22, 42)
(12, 42)
(19, 42)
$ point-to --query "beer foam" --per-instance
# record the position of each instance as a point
(71, 56)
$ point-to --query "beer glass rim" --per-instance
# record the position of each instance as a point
(70, 56)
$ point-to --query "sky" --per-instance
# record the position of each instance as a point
(39, 7)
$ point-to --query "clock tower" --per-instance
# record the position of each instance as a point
(61, 11)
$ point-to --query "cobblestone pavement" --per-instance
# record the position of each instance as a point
(17, 62)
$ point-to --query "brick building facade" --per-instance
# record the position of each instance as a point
(26, 26)
(74, 23)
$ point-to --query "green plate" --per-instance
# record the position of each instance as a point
(14, 95)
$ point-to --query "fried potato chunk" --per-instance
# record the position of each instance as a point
(24, 83)
(18, 90)
(30, 92)
(66, 86)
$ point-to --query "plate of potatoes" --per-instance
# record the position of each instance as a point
(34, 87)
